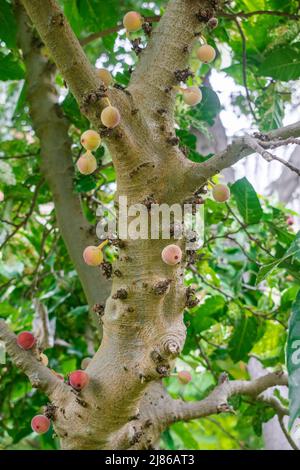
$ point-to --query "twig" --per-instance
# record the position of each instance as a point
(257, 147)
(17, 157)
(244, 46)
(243, 250)
(244, 227)
(248, 14)
(29, 213)
(254, 145)
(206, 360)
(279, 143)
(4, 221)
(195, 271)
(114, 29)
(155, 19)
(274, 403)
(35, 273)
(219, 425)
(227, 234)
(287, 164)
(286, 433)
(217, 400)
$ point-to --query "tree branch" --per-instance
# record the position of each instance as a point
(56, 160)
(105, 32)
(257, 147)
(197, 174)
(286, 433)
(217, 401)
(40, 376)
(158, 410)
(154, 19)
(168, 50)
(67, 53)
(248, 14)
(18, 157)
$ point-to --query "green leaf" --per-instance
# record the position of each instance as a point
(187, 139)
(247, 201)
(7, 310)
(85, 184)
(72, 111)
(288, 296)
(21, 101)
(208, 108)
(213, 306)
(293, 361)
(123, 78)
(8, 24)
(168, 440)
(293, 252)
(199, 323)
(281, 64)
(262, 414)
(294, 249)
(271, 346)
(243, 339)
(265, 270)
(81, 310)
(271, 109)
(10, 67)
(283, 235)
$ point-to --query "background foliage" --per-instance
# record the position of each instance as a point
(247, 273)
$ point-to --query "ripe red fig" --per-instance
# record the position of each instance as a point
(78, 379)
(40, 424)
(26, 340)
